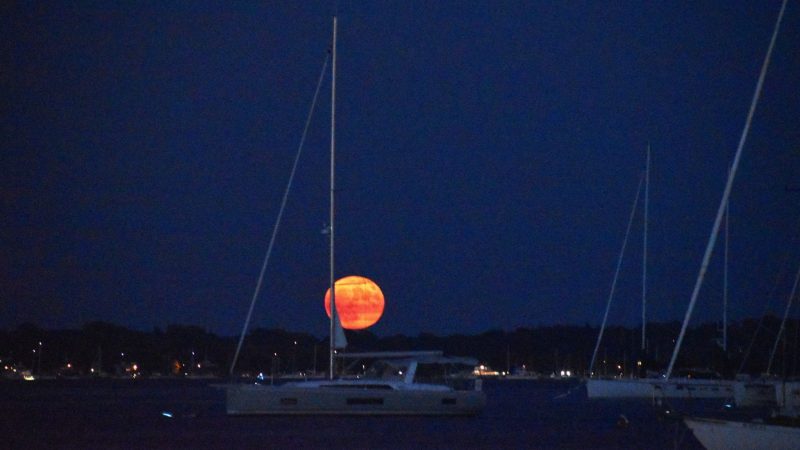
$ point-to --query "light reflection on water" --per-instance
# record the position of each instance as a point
(190, 414)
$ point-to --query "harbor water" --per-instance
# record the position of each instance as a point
(180, 413)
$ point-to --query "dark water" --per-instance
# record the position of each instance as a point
(128, 414)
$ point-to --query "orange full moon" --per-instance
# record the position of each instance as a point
(359, 302)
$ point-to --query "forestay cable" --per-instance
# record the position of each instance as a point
(616, 275)
(280, 215)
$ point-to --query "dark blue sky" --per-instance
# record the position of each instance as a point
(488, 155)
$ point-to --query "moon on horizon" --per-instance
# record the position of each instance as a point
(359, 302)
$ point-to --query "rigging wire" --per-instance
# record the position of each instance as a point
(783, 324)
(280, 215)
(773, 293)
(616, 274)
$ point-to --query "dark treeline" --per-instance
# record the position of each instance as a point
(184, 349)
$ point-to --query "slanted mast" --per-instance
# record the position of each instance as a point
(723, 204)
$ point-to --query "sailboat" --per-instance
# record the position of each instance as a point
(616, 387)
(396, 383)
(779, 431)
(762, 391)
(602, 387)
(694, 384)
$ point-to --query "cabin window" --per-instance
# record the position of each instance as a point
(430, 373)
(448, 401)
(382, 370)
(365, 401)
(288, 401)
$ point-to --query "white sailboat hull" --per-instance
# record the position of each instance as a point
(619, 388)
(654, 388)
(751, 394)
(732, 435)
(787, 396)
(253, 399)
(694, 388)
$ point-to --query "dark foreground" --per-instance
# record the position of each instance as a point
(135, 414)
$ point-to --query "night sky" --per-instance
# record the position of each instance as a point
(488, 157)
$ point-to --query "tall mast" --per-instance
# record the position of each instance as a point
(333, 187)
(644, 251)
